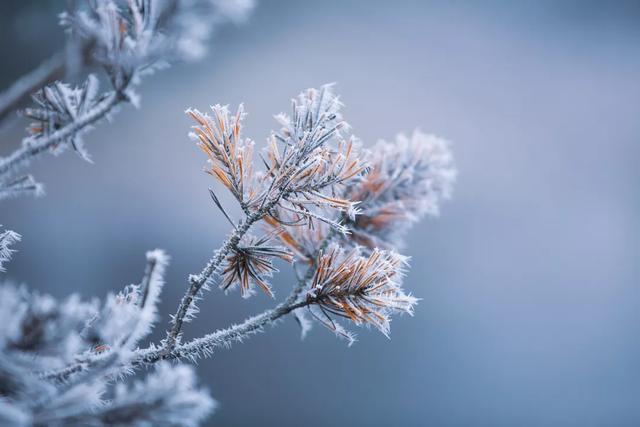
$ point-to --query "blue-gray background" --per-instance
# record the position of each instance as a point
(530, 279)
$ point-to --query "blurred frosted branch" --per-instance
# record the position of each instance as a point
(168, 396)
(24, 185)
(7, 238)
(39, 334)
(127, 40)
(33, 147)
(17, 94)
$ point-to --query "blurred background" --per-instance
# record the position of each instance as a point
(530, 279)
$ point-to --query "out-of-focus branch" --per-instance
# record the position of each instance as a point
(16, 95)
(7, 238)
(127, 40)
(21, 186)
(33, 147)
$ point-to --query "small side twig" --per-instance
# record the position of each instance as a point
(203, 345)
(33, 147)
(196, 282)
(15, 95)
(222, 338)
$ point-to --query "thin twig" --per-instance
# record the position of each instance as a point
(149, 271)
(14, 96)
(196, 282)
(220, 338)
(252, 325)
(202, 345)
(33, 147)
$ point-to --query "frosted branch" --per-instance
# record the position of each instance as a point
(14, 96)
(204, 346)
(168, 396)
(127, 40)
(7, 238)
(328, 203)
(34, 147)
(22, 186)
(196, 282)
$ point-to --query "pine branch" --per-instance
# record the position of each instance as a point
(126, 39)
(198, 346)
(196, 282)
(304, 158)
(7, 238)
(313, 188)
(34, 147)
(19, 187)
(13, 97)
(222, 338)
